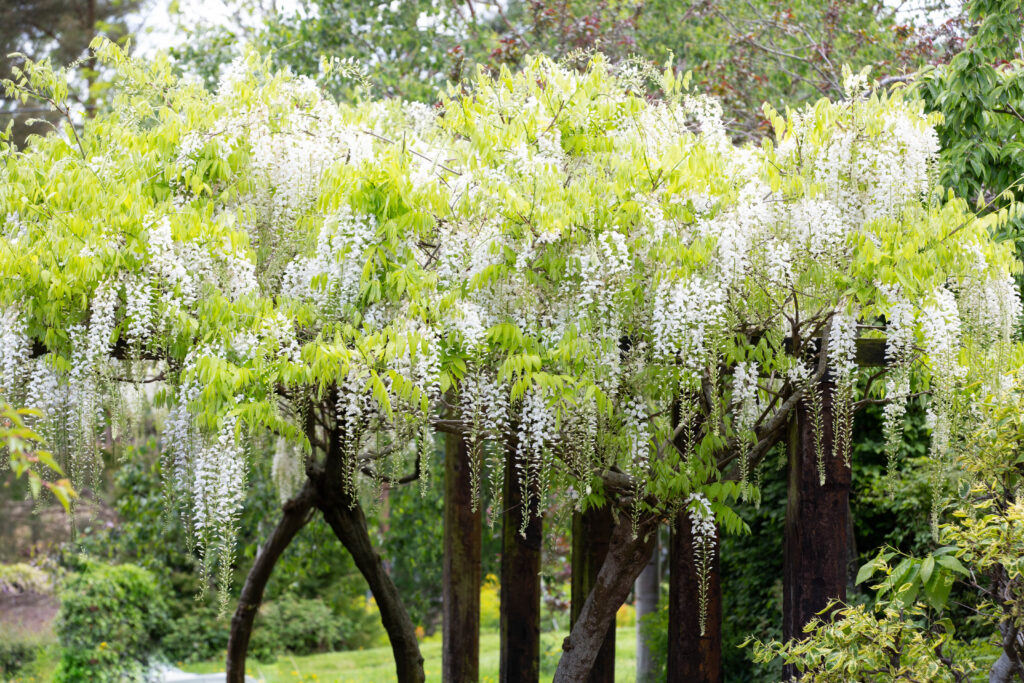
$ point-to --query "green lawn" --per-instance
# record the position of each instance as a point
(376, 665)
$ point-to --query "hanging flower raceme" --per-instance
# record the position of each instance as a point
(747, 409)
(288, 468)
(533, 454)
(218, 492)
(484, 407)
(842, 354)
(704, 536)
(899, 348)
(941, 328)
(15, 349)
(637, 432)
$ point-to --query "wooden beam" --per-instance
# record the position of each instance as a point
(520, 583)
(870, 352)
(591, 533)
(817, 522)
(460, 656)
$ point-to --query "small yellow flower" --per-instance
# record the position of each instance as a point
(103, 645)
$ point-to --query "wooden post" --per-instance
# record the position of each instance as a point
(646, 591)
(692, 657)
(817, 522)
(460, 657)
(591, 532)
(520, 583)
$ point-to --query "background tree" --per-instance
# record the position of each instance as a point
(59, 30)
(980, 94)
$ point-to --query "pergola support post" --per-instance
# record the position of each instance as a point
(817, 521)
(693, 657)
(520, 582)
(591, 533)
(460, 656)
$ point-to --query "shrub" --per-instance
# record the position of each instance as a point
(297, 626)
(109, 624)
(490, 603)
(196, 635)
(14, 656)
(23, 578)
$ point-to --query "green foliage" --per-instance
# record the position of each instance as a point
(199, 634)
(24, 455)
(931, 577)
(899, 637)
(869, 645)
(110, 622)
(24, 578)
(299, 626)
(980, 94)
(15, 655)
(58, 30)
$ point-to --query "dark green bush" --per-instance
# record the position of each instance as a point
(110, 622)
(15, 656)
(297, 626)
(196, 636)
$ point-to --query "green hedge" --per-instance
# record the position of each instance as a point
(15, 656)
(110, 622)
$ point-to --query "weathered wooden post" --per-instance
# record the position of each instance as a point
(520, 582)
(818, 517)
(693, 657)
(460, 657)
(591, 532)
(817, 521)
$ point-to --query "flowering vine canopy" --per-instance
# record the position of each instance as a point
(554, 259)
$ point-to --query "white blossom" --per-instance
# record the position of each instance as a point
(705, 537)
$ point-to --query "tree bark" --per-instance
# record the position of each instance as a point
(1007, 668)
(591, 533)
(817, 519)
(692, 657)
(520, 583)
(626, 558)
(294, 517)
(646, 602)
(460, 658)
(346, 518)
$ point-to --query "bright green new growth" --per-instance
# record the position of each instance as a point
(548, 260)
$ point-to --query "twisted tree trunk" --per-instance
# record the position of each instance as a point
(627, 556)
(1007, 668)
(294, 517)
(346, 518)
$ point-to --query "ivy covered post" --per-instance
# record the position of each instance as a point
(460, 658)
(591, 533)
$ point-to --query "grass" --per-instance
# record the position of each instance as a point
(377, 666)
